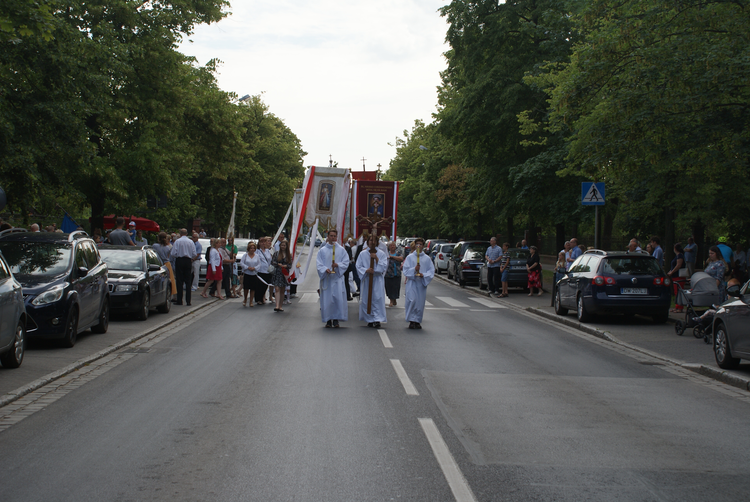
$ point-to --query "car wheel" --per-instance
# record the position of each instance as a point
(145, 306)
(103, 318)
(14, 357)
(661, 317)
(71, 328)
(722, 352)
(164, 309)
(583, 315)
(559, 309)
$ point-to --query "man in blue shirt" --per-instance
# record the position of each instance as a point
(658, 252)
(493, 256)
(575, 251)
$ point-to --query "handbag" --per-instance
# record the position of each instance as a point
(271, 269)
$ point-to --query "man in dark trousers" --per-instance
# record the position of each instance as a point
(183, 252)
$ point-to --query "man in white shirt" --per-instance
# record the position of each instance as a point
(183, 252)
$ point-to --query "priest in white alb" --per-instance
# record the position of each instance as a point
(419, 271)
(332, 263)
(371, 267)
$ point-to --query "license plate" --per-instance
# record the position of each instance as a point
(634, 291)
(518, 267)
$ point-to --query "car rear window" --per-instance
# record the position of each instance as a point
(631, 265)
(48, 259)
(473, 255)
(478, 248)
(519, 254)
(117, 259)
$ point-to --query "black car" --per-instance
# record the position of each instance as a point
(464, 266)
(64, 282)
(601, 282)
(12, 318)
(518, 277)
(731, 328)
(138, 281)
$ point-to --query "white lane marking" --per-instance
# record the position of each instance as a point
(428, 304)
(452, 302)
(408, 386)
(384, 339)
(460, 488)
(441, 308)
(488, 303)
(309, 298)
(481, 310)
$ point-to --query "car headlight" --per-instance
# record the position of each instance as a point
(52, 295)
(126, 288)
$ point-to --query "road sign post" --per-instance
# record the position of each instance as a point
(592, 194)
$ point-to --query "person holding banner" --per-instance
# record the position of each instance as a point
(419, 270)
(371, 267)
(332, 262)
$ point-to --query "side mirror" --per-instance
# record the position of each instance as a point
(83, 271)
(152, 267)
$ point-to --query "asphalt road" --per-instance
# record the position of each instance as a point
(493, 403)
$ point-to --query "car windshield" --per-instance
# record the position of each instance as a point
(37, 258)
(477, 248)
(119, 259)
(631, 265)
(519, 254)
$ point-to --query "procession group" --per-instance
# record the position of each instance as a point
(371, 266)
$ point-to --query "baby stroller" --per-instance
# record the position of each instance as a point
(703, 292)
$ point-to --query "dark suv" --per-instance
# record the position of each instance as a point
(64, 282)
(600, 282)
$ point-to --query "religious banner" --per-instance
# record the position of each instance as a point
(375, 204)
(328, 194)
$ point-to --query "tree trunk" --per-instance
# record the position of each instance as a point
(559, 238)
(97, 214)
(532, 238)
(668, 241)
(699, 236)
(509, 231)
(609, 224)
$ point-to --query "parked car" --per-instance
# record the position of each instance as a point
(430, 247)
(443, 256)
(464, 267)
(601, 282)
(731, 328)
(64, 283)
(517, 275)
(138, 281)
(205, 243)
(12, 318)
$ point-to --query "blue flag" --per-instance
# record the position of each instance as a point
(68, 224)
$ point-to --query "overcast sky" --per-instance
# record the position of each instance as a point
(347, 77)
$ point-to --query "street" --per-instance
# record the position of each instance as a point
(487, 402)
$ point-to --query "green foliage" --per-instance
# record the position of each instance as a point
(106, 112)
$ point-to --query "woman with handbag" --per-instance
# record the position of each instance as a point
(213, 269)
(250, 264)
(534, 268)
(282, 264)
(264, 271)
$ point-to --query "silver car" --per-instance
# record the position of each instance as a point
(731, 328)
(443, 256)
(12, 318)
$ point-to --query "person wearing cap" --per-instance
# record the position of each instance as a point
(131, 230)
(118, 236)
(419, 271)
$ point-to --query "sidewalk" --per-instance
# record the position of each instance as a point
(638, 332)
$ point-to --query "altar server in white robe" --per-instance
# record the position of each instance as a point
(419, 271)
(375, 274)
(332, 263)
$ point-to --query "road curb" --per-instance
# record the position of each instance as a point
(51, 377)
(720, 375)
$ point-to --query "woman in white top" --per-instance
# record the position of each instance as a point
(213, 269)
(250, 263)
(265, 255)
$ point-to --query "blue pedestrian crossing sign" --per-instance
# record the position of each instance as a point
(592, 194)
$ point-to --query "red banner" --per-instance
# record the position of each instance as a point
(376, 203)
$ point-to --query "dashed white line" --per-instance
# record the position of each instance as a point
(384, 339)
(488, 303)
(451, 301)
(460, 488)
(401, 373)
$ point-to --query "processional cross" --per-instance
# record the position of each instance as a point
(374, 220)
